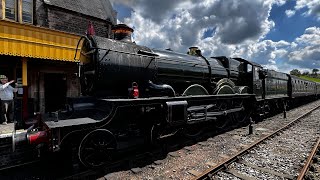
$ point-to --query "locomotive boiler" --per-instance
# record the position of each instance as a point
(115, 68)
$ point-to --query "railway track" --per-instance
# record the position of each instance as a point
(245, 164)
(311, 169)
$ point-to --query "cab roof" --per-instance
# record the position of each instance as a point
(248, 62)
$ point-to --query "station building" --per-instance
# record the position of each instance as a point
(38, 43)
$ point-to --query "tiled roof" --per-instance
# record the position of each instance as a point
(101, 9)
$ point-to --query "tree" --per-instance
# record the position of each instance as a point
(295, 72)
(315, 71)
(306, 73)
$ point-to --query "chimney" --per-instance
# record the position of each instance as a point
(122, 32)
(194, 51)
(90, 30)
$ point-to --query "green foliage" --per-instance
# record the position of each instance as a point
(315, 71)
(310, 78)
(295, 72)
(313, 76)
(306, 73)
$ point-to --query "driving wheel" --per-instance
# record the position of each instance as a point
(97, 148)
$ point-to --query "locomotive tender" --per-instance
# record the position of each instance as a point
(135, 95)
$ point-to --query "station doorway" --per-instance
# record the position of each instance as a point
(55, 90)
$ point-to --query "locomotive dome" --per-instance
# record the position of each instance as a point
(122, 32)
(195, 51)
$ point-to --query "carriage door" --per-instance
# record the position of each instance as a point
(257, 83)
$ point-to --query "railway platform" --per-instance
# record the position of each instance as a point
(6, 130)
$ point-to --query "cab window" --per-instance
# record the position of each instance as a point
(249, 68)
(256, 73)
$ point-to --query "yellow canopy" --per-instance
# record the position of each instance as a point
(31, 41)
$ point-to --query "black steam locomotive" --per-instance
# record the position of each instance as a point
(133, 94)
(122, 64)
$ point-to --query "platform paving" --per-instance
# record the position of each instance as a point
(6, 130)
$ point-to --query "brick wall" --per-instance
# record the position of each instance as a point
(41, 14)
(69, 21)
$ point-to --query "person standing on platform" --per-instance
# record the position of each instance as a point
(6, 96)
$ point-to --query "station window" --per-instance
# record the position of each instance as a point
(18, 10)
(10, 10)
(26, 11)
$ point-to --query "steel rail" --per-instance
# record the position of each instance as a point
(309, 160)
(9, 168)
(223, 165)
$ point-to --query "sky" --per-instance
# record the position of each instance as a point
(278, 34)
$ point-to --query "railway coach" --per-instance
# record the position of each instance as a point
(302, 88)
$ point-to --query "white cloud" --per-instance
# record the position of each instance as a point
(233, 22)
(310, 52)
(290, 13)
(311, 36)
(303, 53)
(266, 52)
(313, 7)
(236, 29)
(307, 49)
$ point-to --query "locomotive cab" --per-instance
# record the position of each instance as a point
(87, 67)
(252, 75)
